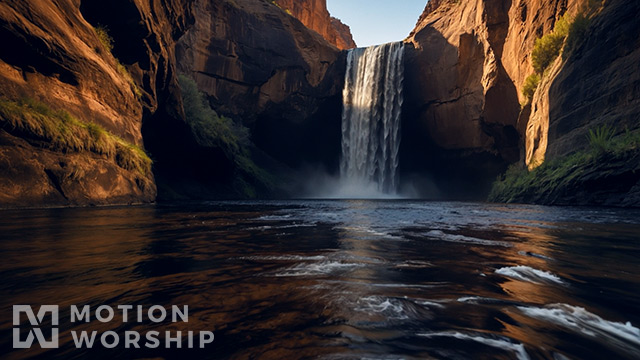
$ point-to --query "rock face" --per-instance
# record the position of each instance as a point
(256, 62)
(594, 85)
(314, 15)
(599, 83)
(51, 52)
(465, 70)
(260, 65)
(465, 74)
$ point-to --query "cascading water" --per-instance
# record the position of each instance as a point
(372, 99)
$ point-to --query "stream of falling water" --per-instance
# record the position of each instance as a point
(372, 97)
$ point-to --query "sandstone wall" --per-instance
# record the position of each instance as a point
(466, 65)
(314, 15)
(51, 53)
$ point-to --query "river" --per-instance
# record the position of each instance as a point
(336, 279)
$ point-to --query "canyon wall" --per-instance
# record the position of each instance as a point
(466, 70)
(599, 82)
(52, 63)
(88, 84)
(466, 64)
(314, 15)
(107, 73)
(261, 66)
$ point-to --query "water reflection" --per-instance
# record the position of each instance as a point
(338, 279)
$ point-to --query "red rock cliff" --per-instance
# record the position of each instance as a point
(465, 69)
(314, 15)
(53, 56)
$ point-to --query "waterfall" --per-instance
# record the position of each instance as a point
(372, 100)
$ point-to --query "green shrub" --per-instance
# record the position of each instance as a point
(530, 86)
(600, 138)
(630, 140)
(104, 37)
(520, 184)
(60, 131)
(213, 130)
(577, 33)
(209, 128)
(561, 27)
(547, 48)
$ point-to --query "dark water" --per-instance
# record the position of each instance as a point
(337, 279)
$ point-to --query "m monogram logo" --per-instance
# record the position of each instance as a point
(35, 322)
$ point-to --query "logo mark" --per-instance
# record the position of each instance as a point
(35, 322)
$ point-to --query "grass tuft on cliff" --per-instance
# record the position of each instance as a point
(556, 177)
(108, 43)
(103, 35)
(60, 131)
(214, 131)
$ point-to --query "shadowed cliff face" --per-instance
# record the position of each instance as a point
(314, 15)
(258, 64)
(52, 53)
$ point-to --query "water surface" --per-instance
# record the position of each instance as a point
(338, 279)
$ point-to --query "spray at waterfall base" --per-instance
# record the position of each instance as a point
(371, 117)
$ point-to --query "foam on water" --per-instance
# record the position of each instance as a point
(318, 268)
(284, 258)
(391, 308)
(626, 336)
(529, 274)
(499, 342)
(429, 303)
(440, 235)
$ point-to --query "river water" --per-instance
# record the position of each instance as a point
(336, 279)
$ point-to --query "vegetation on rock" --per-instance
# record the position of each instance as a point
(576, 33)
(60, 131)
(567, 34)
(104, 37)
(215, 131)
(530, 86)
(552, 177)
(107, 41)
(547, 48)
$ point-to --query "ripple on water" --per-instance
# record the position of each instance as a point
(318, 268)
(284, 258)
(442, 236)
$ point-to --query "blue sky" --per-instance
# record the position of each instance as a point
(376, 22)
